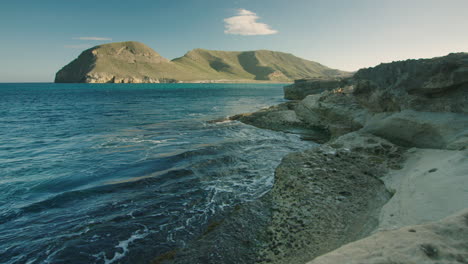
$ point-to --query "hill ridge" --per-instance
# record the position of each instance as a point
(135, 62)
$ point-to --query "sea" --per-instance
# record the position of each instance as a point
(123, 173)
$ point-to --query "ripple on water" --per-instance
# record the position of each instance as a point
(109, 174)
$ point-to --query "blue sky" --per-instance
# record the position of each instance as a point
(40, 37)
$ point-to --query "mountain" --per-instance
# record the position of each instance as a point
(134, 62)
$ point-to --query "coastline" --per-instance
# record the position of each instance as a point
(394, 150)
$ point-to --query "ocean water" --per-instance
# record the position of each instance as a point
(121, 173)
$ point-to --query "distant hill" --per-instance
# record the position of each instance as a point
(134, 62)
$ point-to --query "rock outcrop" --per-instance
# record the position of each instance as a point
(444, 241)
(430, 185)
(134, 62)
(396, 156)
(432, 85)
(326, 197)
(284, 118)
(303, 87)
(329, 196)
(409, 128)
(420, 103)
(322, 198)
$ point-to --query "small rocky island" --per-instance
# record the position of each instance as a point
(389, 184)
(134, 62)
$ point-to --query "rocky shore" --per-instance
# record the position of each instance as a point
(392, 169)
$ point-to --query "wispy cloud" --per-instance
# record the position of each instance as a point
(79, 46)
(245, 23)
(92, 38)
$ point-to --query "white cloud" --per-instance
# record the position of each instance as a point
(245, 23)
(92, 38)
(79, 46)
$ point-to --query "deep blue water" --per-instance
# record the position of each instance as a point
(120, 173)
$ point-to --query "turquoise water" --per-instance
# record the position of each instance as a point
(121, 173)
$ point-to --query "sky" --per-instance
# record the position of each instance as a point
(37, 38)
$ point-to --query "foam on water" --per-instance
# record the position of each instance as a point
(124, 173)
(123, 246)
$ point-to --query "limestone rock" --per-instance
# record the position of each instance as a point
(322, 198)
(331, 195)
(325, 197)
(303, 87)
(283, 117)
(444, 241)
(433, 85)
(421, 129)
(335, 112)
(430, 185)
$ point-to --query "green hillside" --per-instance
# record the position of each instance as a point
(134, 62)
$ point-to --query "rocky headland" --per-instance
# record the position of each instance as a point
(388, 184)
(134, 62)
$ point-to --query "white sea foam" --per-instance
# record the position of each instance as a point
(123, 245)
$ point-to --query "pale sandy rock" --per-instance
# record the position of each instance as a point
(283, 117)
(445, 241)
(431, 185)
(421, 129)
(338, 113)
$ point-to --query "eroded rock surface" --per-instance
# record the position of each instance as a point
(326, 197)
(284, 118)
(444, 241)
(321, 199)
(415, 103)
(421, 129)
(331, 195)
(301, 88)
